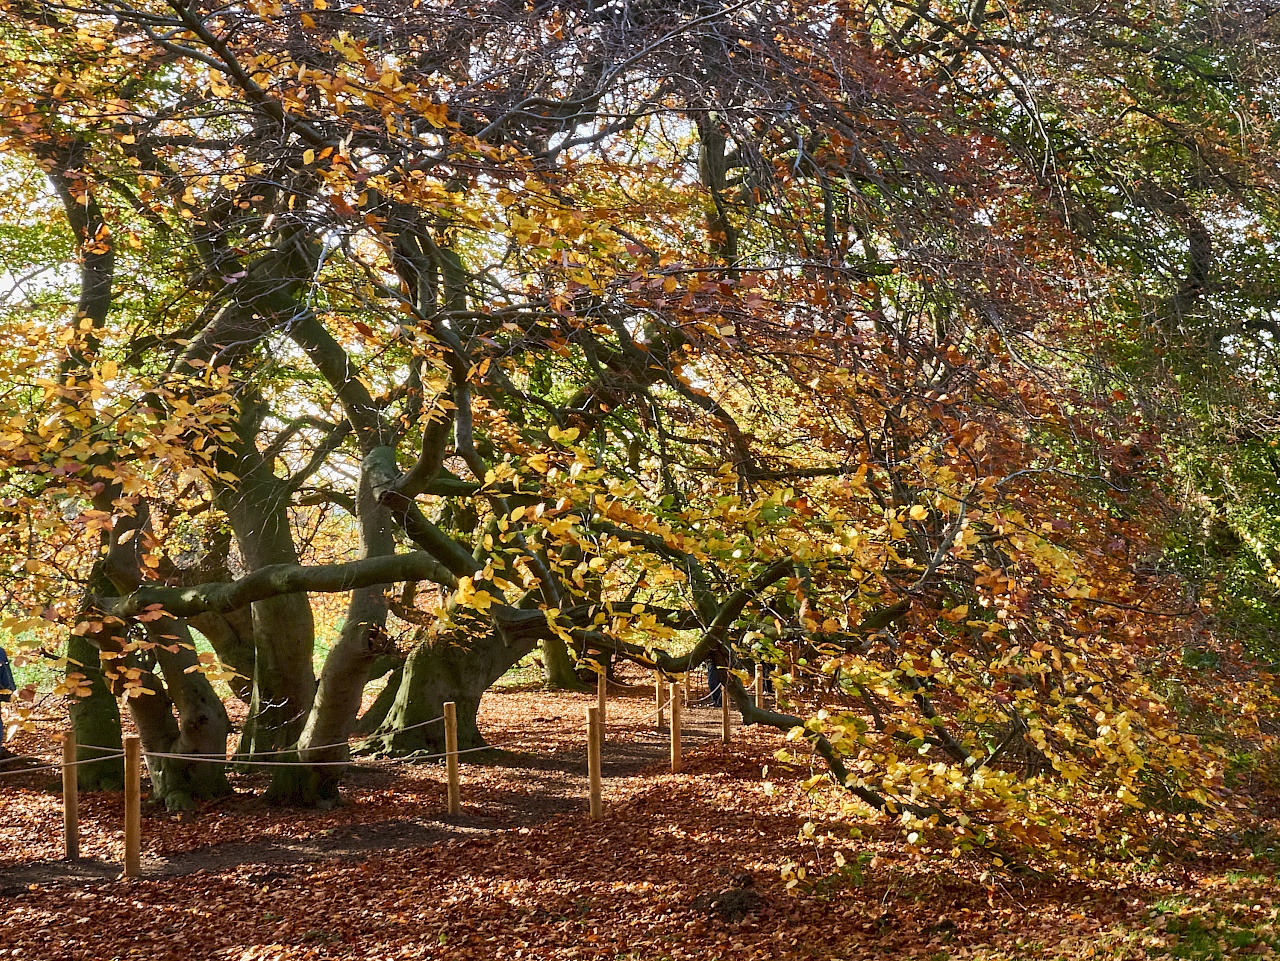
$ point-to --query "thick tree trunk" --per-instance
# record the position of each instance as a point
(558, 673)
(203, 725)
(95, 718)
(441, 670)
(346, 671)
(231, 637)
(284, 682)
(372, 719)
(152, 714)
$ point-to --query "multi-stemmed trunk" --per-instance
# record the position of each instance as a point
(322, 746)
(284, 682)
(439, 670)
(176, 711)
(202, 725)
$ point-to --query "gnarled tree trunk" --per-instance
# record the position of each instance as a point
(445, 669)
(558, 672)
(346, 671)
(95, 718)
(284, 683)
(201, 725)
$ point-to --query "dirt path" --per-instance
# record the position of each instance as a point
(538, 772)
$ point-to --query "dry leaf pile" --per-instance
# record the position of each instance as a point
(682, 866)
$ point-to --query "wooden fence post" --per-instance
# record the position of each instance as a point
(602, 695)
(594, 739)
(759, 685)
(451, 755)
(70, 799)
(660, 698)
(132, 806)
(675, 727)
(724, 714)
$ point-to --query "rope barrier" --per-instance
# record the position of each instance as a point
(654, 715)
(410, 759)
(59, 766)
(98, 747)
(325, 747)
(235, 759)
(210, 759)
(250, 761)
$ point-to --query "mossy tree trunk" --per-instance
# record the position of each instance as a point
(284, 682)
(95, 718)
(439, 670)
(558, 670)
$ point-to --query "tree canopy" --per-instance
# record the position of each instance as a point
(916, 348)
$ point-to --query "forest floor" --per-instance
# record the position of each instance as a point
(682, 866)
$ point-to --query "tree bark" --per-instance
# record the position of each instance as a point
(372, 719)
(558, 672)
(201, 725)
(346, 671)
(95, 718)
(443, 669)
(284, 682)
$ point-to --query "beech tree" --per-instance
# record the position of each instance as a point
(1172, 174)
(574, 326)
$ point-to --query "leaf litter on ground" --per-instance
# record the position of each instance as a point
(523, 872)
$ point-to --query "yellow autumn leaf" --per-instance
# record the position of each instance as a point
(563, 436)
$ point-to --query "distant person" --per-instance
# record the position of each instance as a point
(8, 684)
(715, 687)
(716, 665)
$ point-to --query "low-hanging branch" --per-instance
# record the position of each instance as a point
(714, 635)
(753, 714)
(872, 623)
(277, 579)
